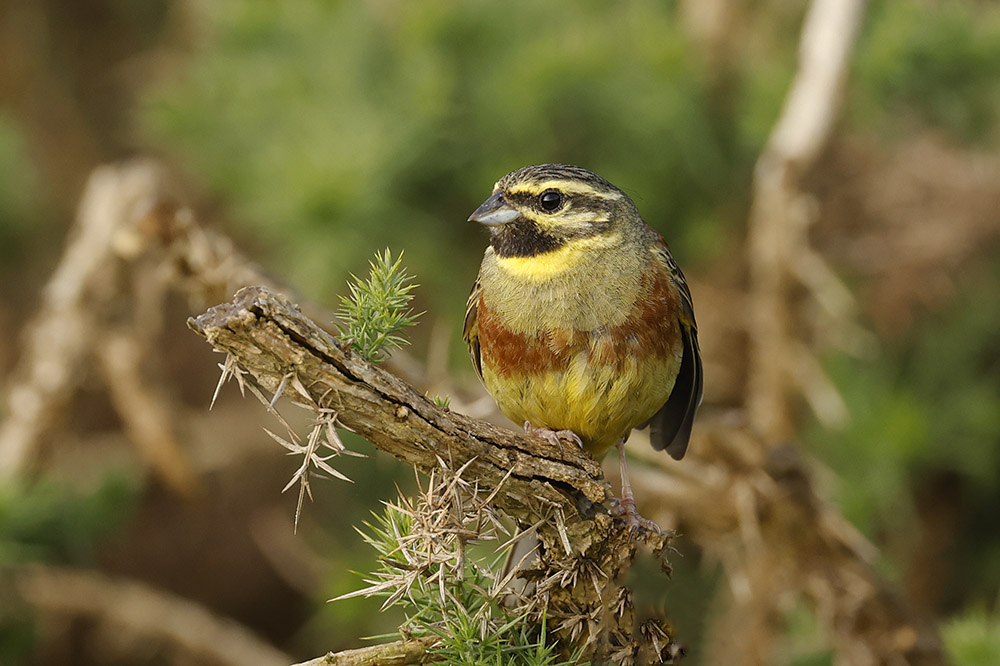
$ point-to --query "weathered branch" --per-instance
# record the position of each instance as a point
(398, 653)
(270, 337)
(584, 547)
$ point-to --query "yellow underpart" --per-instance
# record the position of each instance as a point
(598, 403)
(565, 186)
(545, 266)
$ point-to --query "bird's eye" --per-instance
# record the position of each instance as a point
(550, 200)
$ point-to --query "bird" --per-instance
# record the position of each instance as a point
(580, 323)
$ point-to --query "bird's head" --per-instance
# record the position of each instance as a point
(539, 209)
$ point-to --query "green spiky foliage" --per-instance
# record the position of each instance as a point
(428, 566)
(377, 309)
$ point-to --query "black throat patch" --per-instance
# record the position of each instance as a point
(522, 238)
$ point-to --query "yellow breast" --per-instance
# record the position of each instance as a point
(600, 399)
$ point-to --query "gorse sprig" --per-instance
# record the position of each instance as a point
(430, 566)
(376, 311)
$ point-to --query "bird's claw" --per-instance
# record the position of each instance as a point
(625, 508)
(553, 437)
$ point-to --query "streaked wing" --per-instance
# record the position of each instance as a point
(662, 254)
(470, 332)
(670, 428)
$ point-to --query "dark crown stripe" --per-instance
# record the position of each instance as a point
(540, 173)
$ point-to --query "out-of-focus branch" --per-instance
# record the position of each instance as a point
(141, 613)
(558, 489)
(399, 653)
(63, 333)
(780, 365)
(757, 510)
(779, 253)
(143, 408)
(131, 243)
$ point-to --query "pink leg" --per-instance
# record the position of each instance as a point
(627, 502)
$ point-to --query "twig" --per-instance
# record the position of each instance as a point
(399, 653)
(145, 613)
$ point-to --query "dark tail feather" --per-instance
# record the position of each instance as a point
(670, 428)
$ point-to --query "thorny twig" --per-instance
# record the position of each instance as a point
(322, 435)
(584, 548)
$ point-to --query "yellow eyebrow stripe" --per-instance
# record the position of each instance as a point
(548, 264)
(566, 186)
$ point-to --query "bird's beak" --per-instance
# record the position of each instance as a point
(494, 212)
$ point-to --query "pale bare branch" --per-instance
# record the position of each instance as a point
(778, 249)
(145, 613)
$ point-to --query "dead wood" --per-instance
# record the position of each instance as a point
(585, 548)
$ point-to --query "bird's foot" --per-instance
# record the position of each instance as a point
(553, 437)
(625, 508)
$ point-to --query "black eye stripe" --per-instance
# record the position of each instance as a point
(522, 199)
(589, 202)
(574, 202)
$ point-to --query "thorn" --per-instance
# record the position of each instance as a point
(229, 368)
(280, 391)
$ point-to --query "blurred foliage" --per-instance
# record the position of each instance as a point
(927, 407)
(20, 192)
(803, 640)
(337, 127)
(53, 522)
(50, 521)
(936, 63)
(973, 639)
